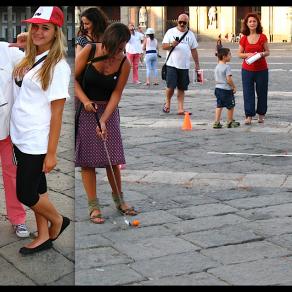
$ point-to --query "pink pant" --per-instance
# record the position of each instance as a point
(134, 60)
(15, 210)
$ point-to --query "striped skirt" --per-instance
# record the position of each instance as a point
(89, 149)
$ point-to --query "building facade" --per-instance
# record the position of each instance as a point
(207, 22)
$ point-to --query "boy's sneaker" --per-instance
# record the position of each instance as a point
(217, 125)
(232, 124)
(21, 230)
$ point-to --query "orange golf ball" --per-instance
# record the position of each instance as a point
(136, 223)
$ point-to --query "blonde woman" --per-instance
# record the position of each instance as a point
(40, 89)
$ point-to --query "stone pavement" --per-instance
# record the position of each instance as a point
(207, 217)
(56, 266)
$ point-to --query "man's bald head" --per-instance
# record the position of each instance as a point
(183, 17)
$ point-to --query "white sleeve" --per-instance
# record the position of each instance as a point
(16, 55)
(194, 43)
(167, 37)
(228, 71)
(59, 87)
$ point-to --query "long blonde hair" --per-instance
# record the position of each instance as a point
(44, 74)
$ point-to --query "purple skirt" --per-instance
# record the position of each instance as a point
(89, 150)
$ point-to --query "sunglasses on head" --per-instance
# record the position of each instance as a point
(182, 22)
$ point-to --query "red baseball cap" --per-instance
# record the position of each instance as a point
(47, 14)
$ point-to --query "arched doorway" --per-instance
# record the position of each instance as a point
(172, 12)
(112, 12)
(241, 12)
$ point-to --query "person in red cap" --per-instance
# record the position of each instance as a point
(41, 89)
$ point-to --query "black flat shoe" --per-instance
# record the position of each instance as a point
(45, 245)
(65, 224)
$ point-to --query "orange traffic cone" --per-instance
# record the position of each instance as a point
(187, 124)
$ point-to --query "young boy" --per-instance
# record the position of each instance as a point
(224, 90)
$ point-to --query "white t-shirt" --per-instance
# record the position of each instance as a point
(9, 58)
(180, 56)
(151, 44)
(134, 45)
(31, 112)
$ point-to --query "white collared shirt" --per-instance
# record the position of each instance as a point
(181, 55)
(134, 45)
(9, 58)
(31, 112)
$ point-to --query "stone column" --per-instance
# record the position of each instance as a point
(9, 24)
(64, 28)
(28, 13)
(125, 17)
(193, 18)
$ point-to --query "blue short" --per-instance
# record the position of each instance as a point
(225, 98)
(177, 78)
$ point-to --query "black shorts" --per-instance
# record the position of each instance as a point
(225, 98)
(177, 78)
(30, 179)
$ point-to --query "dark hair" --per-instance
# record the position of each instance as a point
(244, 27)
(115, 34)
(151, 35)
(99, 22)
(222, 52)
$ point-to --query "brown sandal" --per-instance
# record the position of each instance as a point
(93, 205)
(97, 218)
(119, 201)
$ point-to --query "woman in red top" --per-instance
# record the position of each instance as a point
(254, 76)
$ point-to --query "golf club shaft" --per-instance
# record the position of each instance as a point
(108, 158)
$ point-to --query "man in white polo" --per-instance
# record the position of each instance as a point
(178, 64)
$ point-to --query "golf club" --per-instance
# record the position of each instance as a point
(111, 168)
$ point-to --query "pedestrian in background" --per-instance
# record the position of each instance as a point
(218, 45)
(93, 22)
(142, 37)
(224, 90)
(36, 119)
(150, 46)
(134, 50)
(178, 64)
(255, 76)
(15, 211)
(104, 82)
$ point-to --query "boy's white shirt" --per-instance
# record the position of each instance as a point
(31, 112)
(9, 58)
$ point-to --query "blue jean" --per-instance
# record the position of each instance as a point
(151, 64)
(255, 81)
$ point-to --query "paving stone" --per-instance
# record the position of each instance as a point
(204, 223)
(194, 279)
(245, 252)
(223, 236)
(275, 271)
(18, 278)
(202, 210)
(173, 265)
(155, 247)
(98, 257)
(53, 264)
(112, 275)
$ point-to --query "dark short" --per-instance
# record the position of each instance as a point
(30, 179)
(225, 98)
(177, 78)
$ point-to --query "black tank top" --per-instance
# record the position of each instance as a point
(99, 87)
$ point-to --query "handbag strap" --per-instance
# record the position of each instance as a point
(38, 61)
(174, 47)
